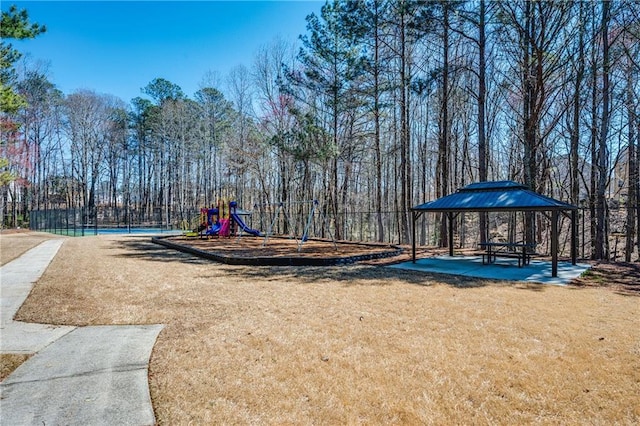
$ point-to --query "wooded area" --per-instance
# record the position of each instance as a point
(385, 105)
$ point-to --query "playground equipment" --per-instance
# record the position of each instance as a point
(223, 220)
(238, 220)
(281, 211)
(191, 228)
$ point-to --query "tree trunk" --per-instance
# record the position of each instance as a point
(376, 120)
(404, 134)
(636, 183)
(601, 249)
(443, 149)
(529, 119)
(482, 101)
(632, 173)
(575, 129)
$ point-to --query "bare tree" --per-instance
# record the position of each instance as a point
(240, 89)
(601, 250)
(89, 123)
(534, 30)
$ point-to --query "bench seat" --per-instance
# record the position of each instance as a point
(522, 259)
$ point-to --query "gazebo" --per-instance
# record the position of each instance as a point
(500, 196)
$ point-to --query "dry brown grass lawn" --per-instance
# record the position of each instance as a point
(352, 345)
(14, 243)
(9, 362)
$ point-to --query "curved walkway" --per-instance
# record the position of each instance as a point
(78, 375)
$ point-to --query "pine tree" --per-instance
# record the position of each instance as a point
(331, 64)
(14, 24)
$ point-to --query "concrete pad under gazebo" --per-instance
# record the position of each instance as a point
(500, 196)
(538, 271)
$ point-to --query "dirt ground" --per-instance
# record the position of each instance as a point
(357, 344)
(620, 277)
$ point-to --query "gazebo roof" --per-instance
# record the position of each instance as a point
(494, 196)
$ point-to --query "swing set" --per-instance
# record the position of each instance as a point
(281, 213)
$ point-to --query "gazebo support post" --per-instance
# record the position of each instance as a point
(450, 219)
(414, 217)
(554, 243)
(413, 236)
(574, 236)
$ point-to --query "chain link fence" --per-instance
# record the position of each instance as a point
(353, 226)
(70, 222)
(99, 220)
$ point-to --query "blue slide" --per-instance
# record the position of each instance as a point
(243, 226)
(215, 229)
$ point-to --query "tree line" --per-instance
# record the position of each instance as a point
(381, 106)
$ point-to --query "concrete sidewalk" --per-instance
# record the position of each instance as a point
(91, 376)
(16, 280)
(78, 376)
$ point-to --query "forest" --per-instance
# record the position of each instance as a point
(380, 106)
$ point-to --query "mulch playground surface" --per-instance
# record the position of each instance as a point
(279, 250)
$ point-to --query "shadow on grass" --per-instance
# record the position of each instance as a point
(144, 249)
(621, 277)
(349, 275)
(353, 275)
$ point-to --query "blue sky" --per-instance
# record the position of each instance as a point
(118, 47)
